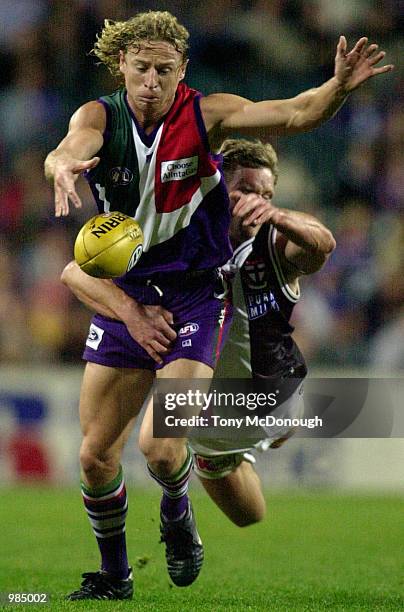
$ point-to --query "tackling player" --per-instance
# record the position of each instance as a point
(268, 259)
(147, 150)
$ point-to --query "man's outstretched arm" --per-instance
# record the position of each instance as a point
(75, 153)
(226, 113)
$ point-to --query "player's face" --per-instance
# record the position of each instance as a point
(256, 184)
(152, 73)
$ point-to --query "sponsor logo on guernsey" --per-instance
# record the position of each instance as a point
(94, 337)
(214, 464)
(258, 304)
(121, 176)
(255, 276)
(134, 258)
(179, 169)
(188, 329)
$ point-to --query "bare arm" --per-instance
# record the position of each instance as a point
(75, 153)
(225, 114)
(150, 326)
(99, 295)
(304, 244)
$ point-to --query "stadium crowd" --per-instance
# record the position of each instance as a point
(349, 172)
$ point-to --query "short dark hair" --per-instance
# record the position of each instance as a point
(249, 154)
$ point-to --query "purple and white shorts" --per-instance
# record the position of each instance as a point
(202, 319)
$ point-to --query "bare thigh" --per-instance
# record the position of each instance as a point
(110, 400)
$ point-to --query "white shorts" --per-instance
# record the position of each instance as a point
(216, 457)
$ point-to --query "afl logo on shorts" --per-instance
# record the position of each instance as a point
(188, 330)
(120, 176)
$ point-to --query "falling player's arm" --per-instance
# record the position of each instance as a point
(100, 295)
(225, 114)
(150, 326)
(303, 242)
(75, 153)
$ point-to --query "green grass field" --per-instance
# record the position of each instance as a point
(314, 551)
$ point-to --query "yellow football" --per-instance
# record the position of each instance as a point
(108, 245)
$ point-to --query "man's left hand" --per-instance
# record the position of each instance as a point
(252, 208)
(358, 65)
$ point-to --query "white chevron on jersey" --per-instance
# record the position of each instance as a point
(238, 258)
(102, 197)
(159, 227)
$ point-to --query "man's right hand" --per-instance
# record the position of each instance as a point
(151, 327)
(75, 154)
(66, 170)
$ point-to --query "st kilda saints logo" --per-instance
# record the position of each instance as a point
(120, 176)
(254, 274)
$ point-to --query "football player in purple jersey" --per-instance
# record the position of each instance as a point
(260, 344)
(149, 151)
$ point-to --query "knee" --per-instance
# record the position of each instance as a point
(97, 465)
(164, 457)
(250, 517)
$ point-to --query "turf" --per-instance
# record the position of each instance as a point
(314, 551)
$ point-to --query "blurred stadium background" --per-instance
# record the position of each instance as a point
(350, 172)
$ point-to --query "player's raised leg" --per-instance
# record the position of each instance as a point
(109, 402)
(237, 493)
(170, 464)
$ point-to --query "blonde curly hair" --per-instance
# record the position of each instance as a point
(249, 154)
(119, 36)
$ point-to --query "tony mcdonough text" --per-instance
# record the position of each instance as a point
(216, 420)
